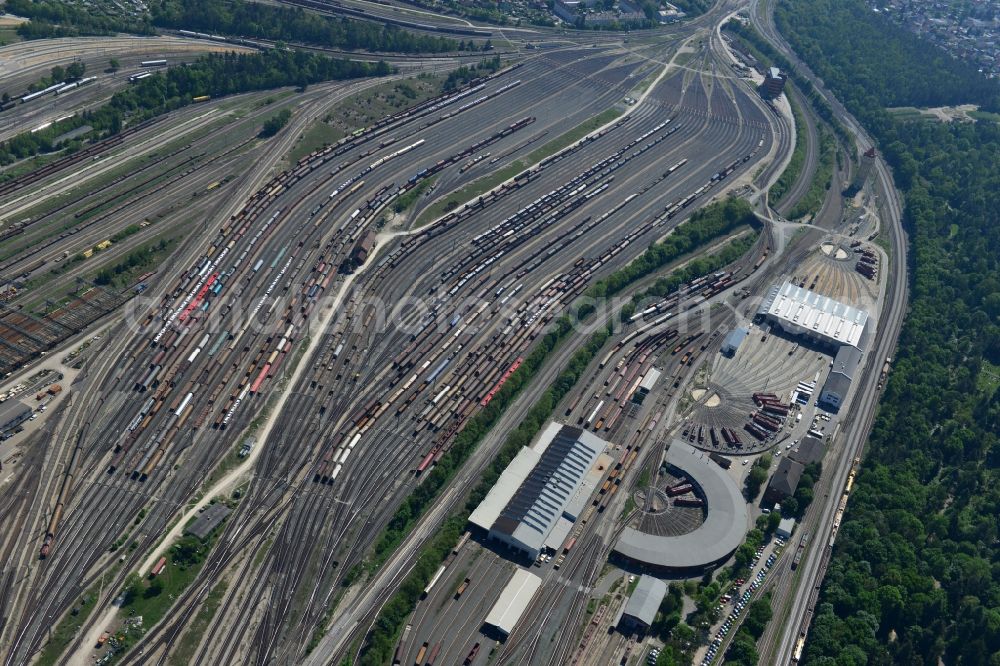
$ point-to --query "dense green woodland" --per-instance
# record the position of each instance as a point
(215, 75)
(55, 18)
(915, 575)
(251, 19)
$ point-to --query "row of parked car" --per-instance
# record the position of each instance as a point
(741, 601)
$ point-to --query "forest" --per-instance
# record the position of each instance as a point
(52, 18)
(915, 575)
(255, 20)
(215, 75)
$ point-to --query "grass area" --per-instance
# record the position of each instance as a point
(987, 116)
(470, 191)
(365, 108)
(822, 180)
(124, 271)
(67, 629)
(192, 636)
(574, 135)
(317, 136)
(8, 35)
(628, 508)
(404, 202)
(645, 83)
(146, 600)
(910, 113)
(487, 183)
(797, 162)
(643, 480)
(988, 379)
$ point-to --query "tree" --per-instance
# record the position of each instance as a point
(75, 70)
(133, 589)
(743, 650)
(114, 65)
(758, 615)
(57, 74)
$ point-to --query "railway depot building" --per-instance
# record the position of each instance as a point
(540, 494)
(513, 601)
(12, 414)
(798, 311)
(708, 545)
(639, 612)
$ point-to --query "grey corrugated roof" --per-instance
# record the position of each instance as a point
(846, 361)
(11, 410)
(810, 450)
(724, 527)
(536, 488)
(735, 338)
(802, 310)
(208, 520)
(513, 601)
(786, 478)
(538, 503)
(645, 601)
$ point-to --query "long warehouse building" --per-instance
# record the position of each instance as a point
(513, 601)
(539, 495)
(802, 312)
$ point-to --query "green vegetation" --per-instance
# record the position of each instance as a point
(796, 505)
(822, 180)
(288, 24)
(466, 73)
(136, 262)
(487, 183)
(797, 161)
(909, 113)
(54, 18)
(678, 638)
(405, 201)
(365, 108)
(743, 649)
(572, 136)
(985, 116)
(214, 75)
(757, 476)
(67, 629)
(705, 226)
(628, 508)
(274, 124)
(186, 647)
(914, 578)
(58, 18)
(487, 10)
(151, 597)
(696, 267)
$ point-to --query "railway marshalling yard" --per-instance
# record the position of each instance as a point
(235, 326)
